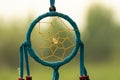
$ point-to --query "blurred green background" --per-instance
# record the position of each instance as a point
(101, 36)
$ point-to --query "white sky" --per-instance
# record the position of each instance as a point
(76, 9)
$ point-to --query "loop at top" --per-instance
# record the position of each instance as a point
(52, 2)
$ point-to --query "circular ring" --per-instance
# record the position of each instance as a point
(68, 58)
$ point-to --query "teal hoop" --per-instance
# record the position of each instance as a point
(67, 59)
(54, 65)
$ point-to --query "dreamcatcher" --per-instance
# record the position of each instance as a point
(52, 39)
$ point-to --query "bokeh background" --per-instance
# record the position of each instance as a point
(99, 24)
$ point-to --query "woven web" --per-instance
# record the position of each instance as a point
(53, 39)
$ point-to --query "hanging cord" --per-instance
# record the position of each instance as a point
(83, 70)
(26, 60)
(52, 2)
(21, 61)
(55, 74)
(28, 77)
(24, 54)
(52, 5)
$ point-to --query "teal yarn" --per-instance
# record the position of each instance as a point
(21, 61)
(83, 71)
(52, 2)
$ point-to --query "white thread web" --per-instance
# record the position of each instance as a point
(53, 39)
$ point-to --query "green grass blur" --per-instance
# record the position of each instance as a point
(102, 48)
(108, 71)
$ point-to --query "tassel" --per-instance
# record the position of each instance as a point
(28, 77)
(20, 79)
(84, 78)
